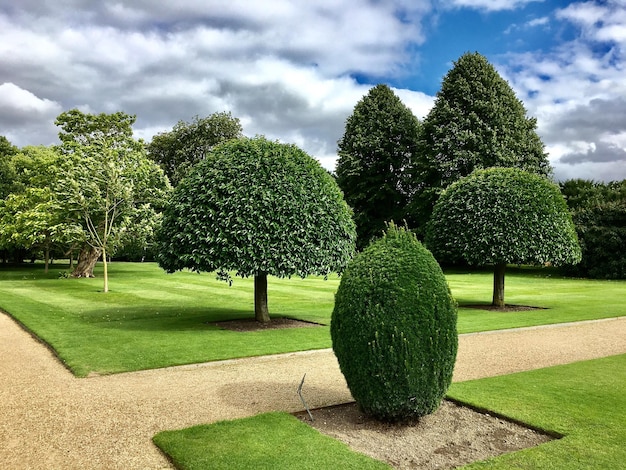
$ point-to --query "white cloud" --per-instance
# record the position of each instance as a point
(577, 91)
(492, 5)
(15, 99)
(22, 113)
(285, 67)
(282, 66)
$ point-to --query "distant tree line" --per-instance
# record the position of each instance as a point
(599, 213)
(100, 193)
(393, 167)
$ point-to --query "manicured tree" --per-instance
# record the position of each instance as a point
(476, 122)
(257, 207)
(502, 216)
(189, 142)
(394, 328)
(379, 141)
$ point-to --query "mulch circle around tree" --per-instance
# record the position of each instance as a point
(250, 324)
(506, 308)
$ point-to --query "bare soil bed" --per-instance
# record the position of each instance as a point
(452, 436)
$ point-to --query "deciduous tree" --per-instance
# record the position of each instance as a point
(502, 216)
(258, 208)
(107, 181)
(34, 218)
(189, 142)
(599, 213)
(7, 170)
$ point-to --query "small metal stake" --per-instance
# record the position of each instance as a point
(302, 398)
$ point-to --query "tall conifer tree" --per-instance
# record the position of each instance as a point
(476, 122)
(380, 139)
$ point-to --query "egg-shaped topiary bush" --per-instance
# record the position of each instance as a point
(393, 328)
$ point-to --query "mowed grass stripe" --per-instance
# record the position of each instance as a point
(152, 319)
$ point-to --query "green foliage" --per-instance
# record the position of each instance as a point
(394, 328)
(476, 122)
(34, 218)
(503, 215)
(267, 441)
(189, 142)
(257, 207)
(79, 128)
(7, 170)
(380, 139)
(106, 181)
(599, 213)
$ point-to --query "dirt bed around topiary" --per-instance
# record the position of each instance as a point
(452, 436)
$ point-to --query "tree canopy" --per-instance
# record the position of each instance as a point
(34, 218)
(380, 139)
(476, 122)
(599, 213)
(7, 170)
(502, 216)
(257, 207)
(189, 142)
(106, 180)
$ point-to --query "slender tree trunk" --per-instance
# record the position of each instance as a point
(87, 259)
(106, 270)
(498, 285)
(261, 313)
(47, 258)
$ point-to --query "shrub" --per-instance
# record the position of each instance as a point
(393, 328)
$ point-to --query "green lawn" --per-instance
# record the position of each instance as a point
(271, 441)
(151, 319)
(585, 402)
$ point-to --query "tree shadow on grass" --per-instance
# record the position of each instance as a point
(168, 318)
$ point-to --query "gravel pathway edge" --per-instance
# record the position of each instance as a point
(50, 419)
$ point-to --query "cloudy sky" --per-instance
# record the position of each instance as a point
(294, 69)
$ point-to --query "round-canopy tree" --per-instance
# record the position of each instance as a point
(257, 207)
(502, 216)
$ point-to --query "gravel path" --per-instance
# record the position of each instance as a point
(51, 420)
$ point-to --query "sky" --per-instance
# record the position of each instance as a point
(293, 70)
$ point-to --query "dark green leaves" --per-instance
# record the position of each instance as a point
(379, 141)
(503, 215)
(255, 206)
(476, 122)
(189, 142)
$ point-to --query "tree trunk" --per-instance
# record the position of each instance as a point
(498, 285)
(87, 259)
(106, 270)
(261, 313)
(46, 258)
